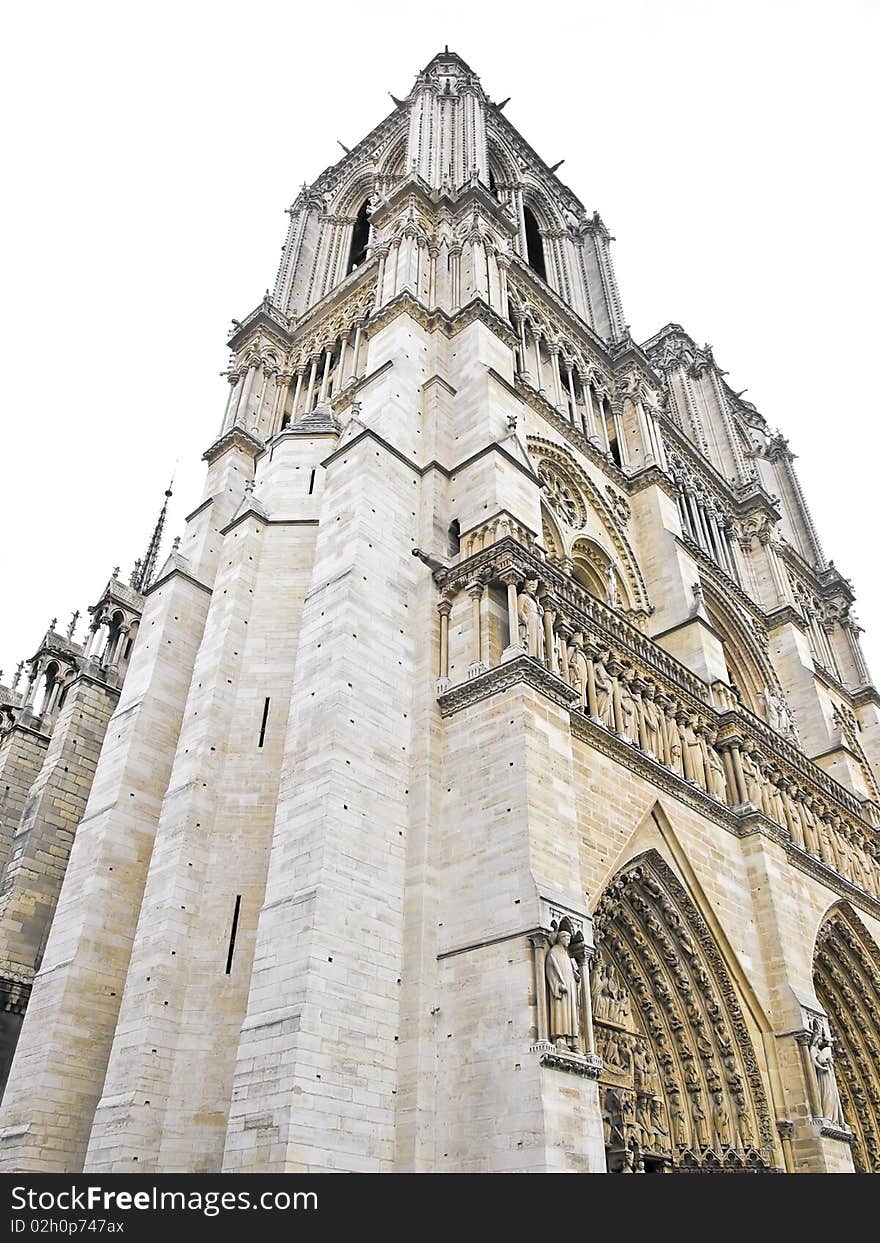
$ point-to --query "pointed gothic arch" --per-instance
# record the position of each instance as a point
(596, 570)
(681, 1085)
(846, 975)
(550, 534)
(749, 667)
(559, 464)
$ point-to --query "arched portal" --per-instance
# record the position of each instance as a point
(846, 973)
(681, 1088)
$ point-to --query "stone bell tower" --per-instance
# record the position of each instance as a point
(495, 740)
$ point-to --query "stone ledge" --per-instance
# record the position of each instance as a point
(521, 669)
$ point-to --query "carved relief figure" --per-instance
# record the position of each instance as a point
(563, 978)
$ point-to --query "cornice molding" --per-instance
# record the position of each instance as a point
(520, 670)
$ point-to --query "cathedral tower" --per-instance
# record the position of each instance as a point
(493, 786)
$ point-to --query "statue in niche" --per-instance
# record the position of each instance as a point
(822, 1057)
(695, 751)
(531, 635)
(577, 666)
(658, 1128)
(721, 1120)
(563, 983)
(676, 757)
(717, 781)
(778, 713)
(604, 691)
(679, 1117)
(651, 715)
(644, 1078)
(629, 717)
(611, 592)
(751, 773)
(701, 1127)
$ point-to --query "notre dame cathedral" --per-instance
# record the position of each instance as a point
(487, 777)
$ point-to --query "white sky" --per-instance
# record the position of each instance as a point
(151, 150)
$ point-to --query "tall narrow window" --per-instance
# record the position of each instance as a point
(611, 429)
(232, 932)
(534, 244)
(360, 239)
(263, 722)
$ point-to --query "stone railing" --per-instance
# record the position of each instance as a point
(622, 682)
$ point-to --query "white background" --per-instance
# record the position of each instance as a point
(151, 150)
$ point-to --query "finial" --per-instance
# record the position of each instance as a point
(503, 103)
(146, 566)
(398, 103)
(18, 670)
(114, 571)
(53, 623)
(135, 572)
(347, 150)
(175, 544)
(554, 167)
(72, 626)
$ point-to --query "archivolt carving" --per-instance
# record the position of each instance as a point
(681, 1084)
(558, 459)
(846, 972)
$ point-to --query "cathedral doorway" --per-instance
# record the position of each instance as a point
(846, 974)
(681, 1091)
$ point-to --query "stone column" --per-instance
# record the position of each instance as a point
(477, 665)
(513, 647)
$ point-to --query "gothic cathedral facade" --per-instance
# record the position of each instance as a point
(487, 780)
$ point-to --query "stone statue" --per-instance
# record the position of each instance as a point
(563, 979)
(721, 1120)
(651, 716)
(822, 1056)
(577, 667)
(611, 592)
(751, 773)
(695, 751)
(629, 715)
(676, 759)
(531, 636)
(605, 1001)
(604, 692)
(717, 780)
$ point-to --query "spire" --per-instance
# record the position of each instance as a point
(146, 568)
